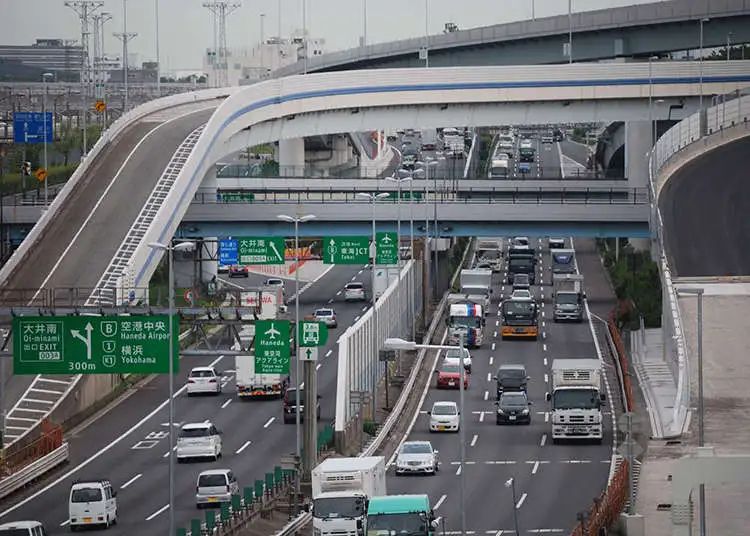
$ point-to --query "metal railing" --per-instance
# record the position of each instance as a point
(607, 507)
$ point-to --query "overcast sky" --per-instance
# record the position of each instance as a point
(186, 29)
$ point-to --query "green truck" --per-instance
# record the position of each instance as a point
(400, 515)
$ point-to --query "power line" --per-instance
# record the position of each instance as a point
(125, 37)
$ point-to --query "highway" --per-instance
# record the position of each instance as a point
(716, 241)
(495, 453)
(546, 164)
(128, 445)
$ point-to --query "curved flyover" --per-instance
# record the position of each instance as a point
(704, 208)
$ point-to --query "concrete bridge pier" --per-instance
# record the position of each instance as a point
(292, 157)
(638, 143)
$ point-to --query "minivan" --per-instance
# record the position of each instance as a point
(215, 487)
(198, 440)
(22, 528)
(92, 503)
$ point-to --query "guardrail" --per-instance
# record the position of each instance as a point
(471, 195)
(607, 507)
(34, 470)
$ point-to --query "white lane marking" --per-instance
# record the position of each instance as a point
(328, 353)
(521, 500)
(493, 346)
(330, 301)
(243, 447)
(317, 367)
(481, 417)
(495, 334)
(68, 474)
(159, 511)
(544, 334)
(546, 378)
(545, 361)
(544, 347)
(310, 283)
(546, 416)
(358, 273)
(535, 468)
(458, 471)
(474, 440)
(543, 441)
(486, 395)
(126, 484)
(356, 318)
(439, 502)
(497, 322)
(364, 308)
(65, 522)
(268, 422)
(354, 277)
(544, 324)
(489, 376)
(338, 293)
(225, 404)
(491, 359)
(542, 313)
(101, 198)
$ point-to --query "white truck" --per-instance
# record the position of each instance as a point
(268, 301)
(384, 276)
(563, 260)
(341, 489)
(249, 383)
(466, 319)
(577, 399)
(489, 253)
(477, 283)
(567, 297)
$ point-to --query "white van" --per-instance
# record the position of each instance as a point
(92, 503)
(198, 440)
(215, 487)
(22, 528)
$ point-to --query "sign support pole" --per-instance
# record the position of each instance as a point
(170, 255)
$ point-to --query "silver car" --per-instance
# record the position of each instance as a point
(417, 457)
(326, 315)
(354, 292)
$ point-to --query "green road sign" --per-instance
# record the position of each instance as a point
(93, 344)
(346, 250)
(236, 197)
(387, 248)
(271, 347)
(261, 250)
(312, 333)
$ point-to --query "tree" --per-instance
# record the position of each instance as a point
(70, 139)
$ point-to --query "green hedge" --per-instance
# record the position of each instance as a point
(635, 278)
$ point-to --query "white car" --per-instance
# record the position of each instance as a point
(274, 282)
(92, 503)
(417, 457)
(198, 440)
(327, 316)
(354, 292)
(22, 528)
(215, 487)
(453, 354)
(521, 241)
(444, 417)
(521, 294)
(556, 243)
(204, 380)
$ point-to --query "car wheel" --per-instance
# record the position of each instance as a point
(498, 422)
(73, 528)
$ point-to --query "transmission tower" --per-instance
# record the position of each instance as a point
(220, 10)
(85, 10)
(125, 37)
(99, 56)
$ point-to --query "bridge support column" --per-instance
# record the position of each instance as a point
(342, 151)
(637, 146)
(292, 157)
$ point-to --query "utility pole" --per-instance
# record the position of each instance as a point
(125, 37)
(85, 10)
(220, 10)
(262, 39)
(158, 55)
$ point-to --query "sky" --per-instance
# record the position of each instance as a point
(186, 30)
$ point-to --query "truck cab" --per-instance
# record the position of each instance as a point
(401, 514)
(519, 319)
(568, 297)
(576, 399)
(466, 320)
(563, 260)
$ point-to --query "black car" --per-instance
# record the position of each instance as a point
(513, 408)
(290, 406)
(511, 377)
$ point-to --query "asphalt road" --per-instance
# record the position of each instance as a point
(128, 445)
(553, 482)
(704, 206)
(546, 164)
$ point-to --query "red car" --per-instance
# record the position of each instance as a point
(238, 271)
(449, 376)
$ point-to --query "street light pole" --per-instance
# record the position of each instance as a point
(511, 483)
(700, 64)
(364, 23)
(570, 31)
(169, 250)
(158, 57)
(45, 76)
(311, 449)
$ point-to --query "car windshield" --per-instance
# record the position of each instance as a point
(411, 524)
(466, 321)
(416, 448)
(562, 258)
(521, 279)
(201, 374)
(291, 395)
(512, 308)
(194, 432)
(274, 282)
(521, 294)
(520, 263)
(455, 353)
(339, 507)
(212, 480)
(511, 373)
(568, 299)
(444, 409)
(576, 398)
(512, 399)
(323, 312)
(449, 369)
(81, 495)
(354, 286)
(15, 532)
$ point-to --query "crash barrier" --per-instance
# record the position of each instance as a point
(623, 363)
(359, 368)
(255, 501)
(606, 508)
(34, 470)
(18, 455)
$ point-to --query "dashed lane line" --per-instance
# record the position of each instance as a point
(474, 440)
(543, 441)
(521, 501)
(268, 422)
(225, 404)
(439, 502)
(328, 353)
(159, 511)
(243, 447)
(129, 482)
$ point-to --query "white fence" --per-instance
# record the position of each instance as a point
(726, 114)
(359, 368)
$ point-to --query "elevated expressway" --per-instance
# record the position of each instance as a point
(140, 180)
(630, 31)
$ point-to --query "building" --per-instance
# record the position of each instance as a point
(146, 74)
(27, 62)
(247, 66)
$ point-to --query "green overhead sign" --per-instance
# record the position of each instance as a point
(312, 333)
(346, 250)
(387, 248)
(261, 250)
(93, 344)
(271, 346)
